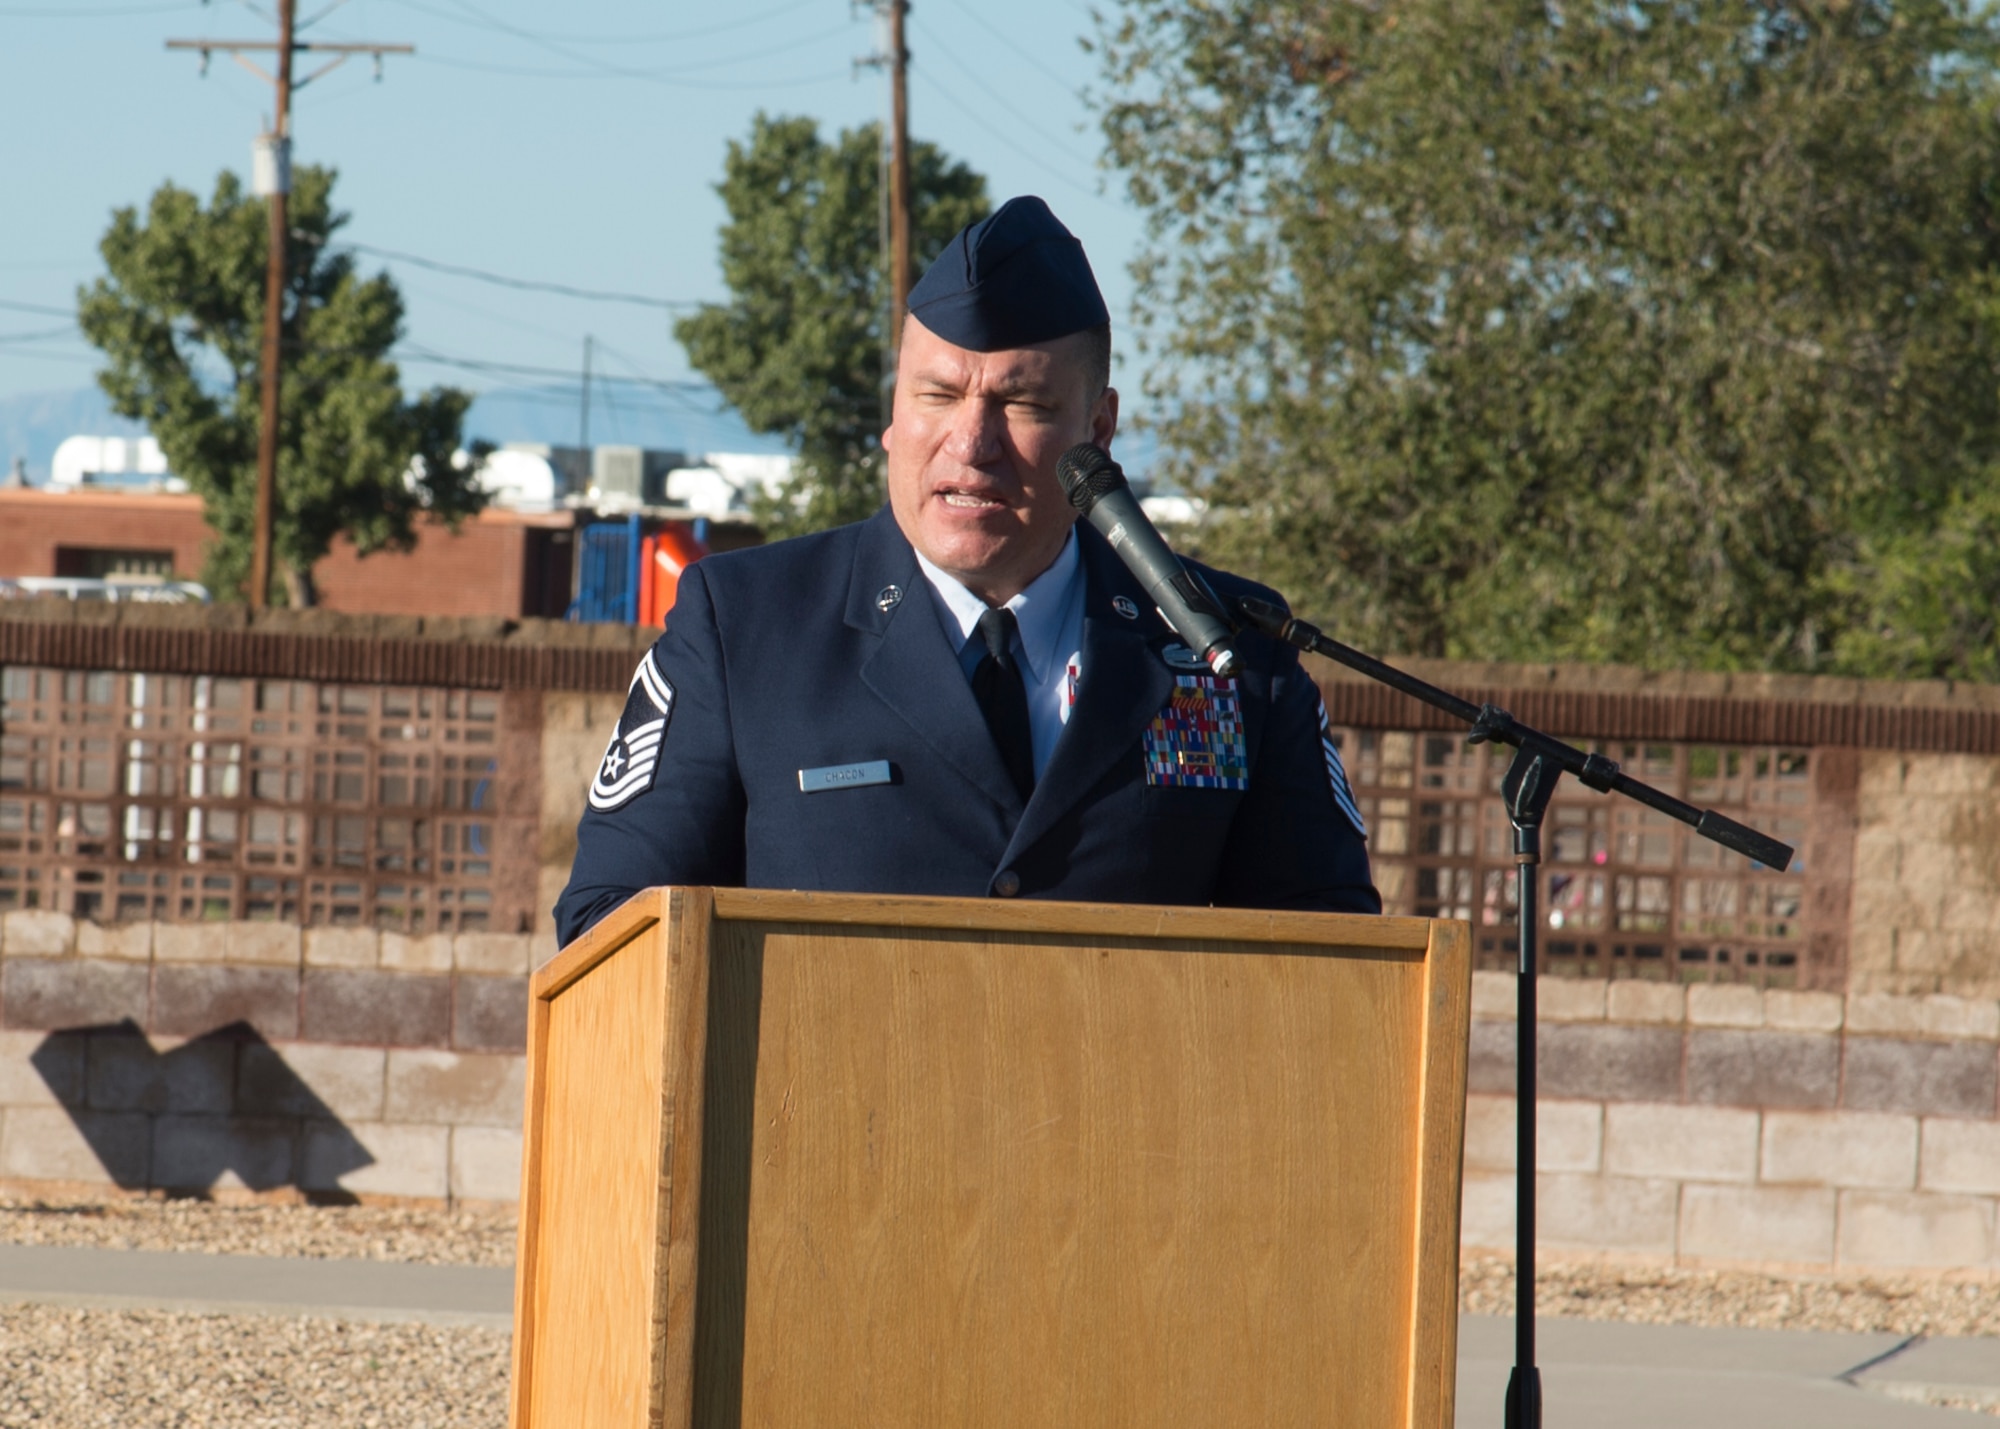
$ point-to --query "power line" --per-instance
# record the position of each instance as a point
(413, 353)
(972, 13)
(601, 66)
(40, 308)
(84, 358)
(459, 270)
(70, 12)
(427, 294)
(1000, 134)
(741, 22)
(523, 72)
(417, 353)
(931, 38)
(553, 396)
(680, 393)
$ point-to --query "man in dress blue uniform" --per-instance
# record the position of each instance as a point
(968, 694)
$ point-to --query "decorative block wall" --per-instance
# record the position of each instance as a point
(257, 1056)
(1727, 1124)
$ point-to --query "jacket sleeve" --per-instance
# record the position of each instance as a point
(666, 804)
(1297, 841)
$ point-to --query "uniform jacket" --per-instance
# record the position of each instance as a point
(828, 651)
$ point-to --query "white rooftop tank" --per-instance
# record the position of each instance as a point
(723, 484)
(111, 461)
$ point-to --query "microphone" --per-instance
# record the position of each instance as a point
(1097, 487)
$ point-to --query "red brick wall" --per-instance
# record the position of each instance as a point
(478, 571)
(33, 524)
(499, 563)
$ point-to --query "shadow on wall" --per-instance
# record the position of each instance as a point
(225, 1103)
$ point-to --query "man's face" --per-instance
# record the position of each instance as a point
(973, 448)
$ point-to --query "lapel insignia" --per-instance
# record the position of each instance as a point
(1196, 740)
(1124, 605)
(633, 756)
(888, 598)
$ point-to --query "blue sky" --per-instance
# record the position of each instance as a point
(574, 144)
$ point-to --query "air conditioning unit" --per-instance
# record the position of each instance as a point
(618, 474)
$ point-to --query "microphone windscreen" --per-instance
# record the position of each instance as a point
(1087, 473)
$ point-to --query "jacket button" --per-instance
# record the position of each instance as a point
(1006, 883)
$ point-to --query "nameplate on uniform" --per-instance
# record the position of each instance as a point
(1196, 740)
(846, 776)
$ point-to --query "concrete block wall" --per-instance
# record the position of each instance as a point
(1925, 913)
(1730, 1125)
(222, 1057)
(575, 727)
(1703, 1124)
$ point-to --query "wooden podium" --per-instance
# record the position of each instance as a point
(798, 1161)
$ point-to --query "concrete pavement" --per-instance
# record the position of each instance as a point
(1597, 1373)
(256, 1285)
(1594, 1373)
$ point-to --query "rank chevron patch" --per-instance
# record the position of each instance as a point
(1336, 774)
(632, 758)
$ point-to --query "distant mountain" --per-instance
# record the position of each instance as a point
(684, 420)
(34, 424)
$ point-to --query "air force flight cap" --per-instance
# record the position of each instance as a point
(1015, 278)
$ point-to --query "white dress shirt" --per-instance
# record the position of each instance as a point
(1048, 641)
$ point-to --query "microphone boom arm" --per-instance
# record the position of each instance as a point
(1539, 763)
(1491, 723)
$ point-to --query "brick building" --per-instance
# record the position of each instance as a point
(506, 563)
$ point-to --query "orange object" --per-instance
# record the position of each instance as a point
(667, 552)
(645, 606)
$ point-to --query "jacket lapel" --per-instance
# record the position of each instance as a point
(912, 668)
(1124, 685)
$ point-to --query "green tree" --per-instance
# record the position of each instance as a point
(1620, 330)
(797, 349)
(179, 317)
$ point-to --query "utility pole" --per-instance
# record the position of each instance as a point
(896, 59)
(278, 190)
(583, 425)
(899, 174)
(271, 178)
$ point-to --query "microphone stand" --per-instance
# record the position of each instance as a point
(1539, 761)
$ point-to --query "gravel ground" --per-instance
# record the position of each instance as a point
(79, 1369)
(425, 1236)
(73, 1369)
(1742, 1299)
(1908, 1304)
(1900, 1304)
(1950, 1401)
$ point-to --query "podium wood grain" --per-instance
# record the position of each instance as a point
(836, 1160)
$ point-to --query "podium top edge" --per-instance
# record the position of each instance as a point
(1122, 920)
(1363, 933)
(994, 915)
